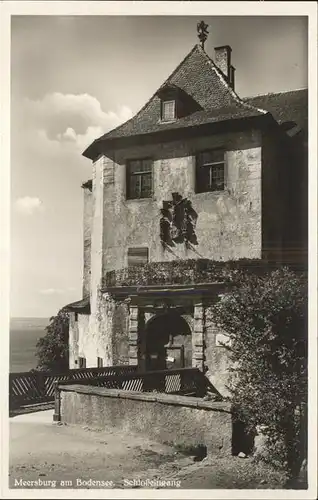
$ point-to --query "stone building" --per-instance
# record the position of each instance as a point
(198, 176)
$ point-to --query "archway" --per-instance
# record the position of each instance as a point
(168, 342)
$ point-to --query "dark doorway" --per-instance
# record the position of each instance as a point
(168, 342)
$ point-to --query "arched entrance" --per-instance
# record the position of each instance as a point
(168, 342)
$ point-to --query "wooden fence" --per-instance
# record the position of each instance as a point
(183, 381)
(38, 387)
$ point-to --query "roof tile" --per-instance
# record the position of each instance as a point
(80, 306)
(284, 106)
(200, 78)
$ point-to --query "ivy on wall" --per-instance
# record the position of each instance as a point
(190, 271)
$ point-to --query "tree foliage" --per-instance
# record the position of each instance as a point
(266, 320)
(52, 349)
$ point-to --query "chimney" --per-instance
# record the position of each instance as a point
(223, 62)
(232, 77)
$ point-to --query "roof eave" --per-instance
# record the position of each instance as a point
(80, 306)
(90, 150)
(88, 184)
(98, 145)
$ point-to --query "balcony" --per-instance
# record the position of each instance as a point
(181, 272)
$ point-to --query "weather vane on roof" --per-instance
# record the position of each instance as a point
(202, 30)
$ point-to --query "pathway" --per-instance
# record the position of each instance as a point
(61, 456)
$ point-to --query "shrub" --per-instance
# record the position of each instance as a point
(265, 318)
(182, 272)
(52, 349)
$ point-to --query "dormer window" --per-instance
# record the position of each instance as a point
(175, 103)
(168, 111)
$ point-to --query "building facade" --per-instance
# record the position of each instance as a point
(198, 177)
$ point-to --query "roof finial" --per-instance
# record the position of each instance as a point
(202, 32)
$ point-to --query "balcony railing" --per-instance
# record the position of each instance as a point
(181, 272)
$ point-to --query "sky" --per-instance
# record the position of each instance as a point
(75, 78)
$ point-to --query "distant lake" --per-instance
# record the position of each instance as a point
(24, 334)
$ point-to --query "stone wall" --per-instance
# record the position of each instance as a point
(177, 420)
(121, 334)
(73, 341)
(229, 222)
(87, 226)
(79, 342)
(216, 356)
(99, 334)
(103, 332)
(273, 198)
(283, 216)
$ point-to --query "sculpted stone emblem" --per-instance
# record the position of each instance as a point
(178, 222)
(202, 29)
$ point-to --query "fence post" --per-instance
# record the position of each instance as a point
(40, 382)
(57, 403)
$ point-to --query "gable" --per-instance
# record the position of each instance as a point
(203, 82)
(199, 77)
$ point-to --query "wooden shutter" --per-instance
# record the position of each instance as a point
(82, 362)
(137, 255)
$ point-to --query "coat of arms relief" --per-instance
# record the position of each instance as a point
(178, 222)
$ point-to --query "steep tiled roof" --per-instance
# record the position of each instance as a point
(284, 106)
(201, 79)
(197, 118)
(81, 306)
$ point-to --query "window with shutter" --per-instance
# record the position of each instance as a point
(139, 179)
(82, 362)
(138, 255)
(210, 171)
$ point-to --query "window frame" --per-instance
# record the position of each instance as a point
(81, 362)
(168, 101)
(199, 188)
(141, 173)
(139, 248)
